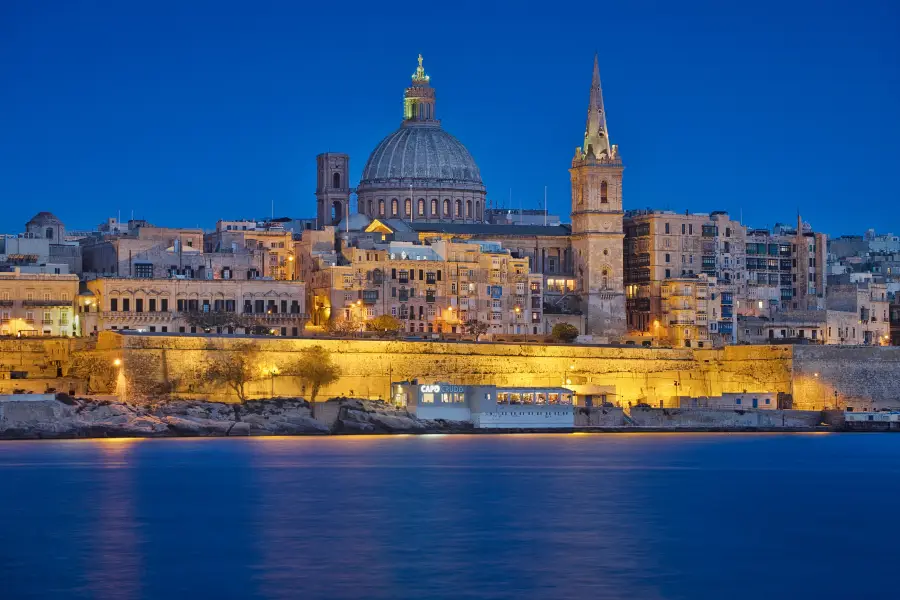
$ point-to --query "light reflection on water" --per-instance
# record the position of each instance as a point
(537, 516)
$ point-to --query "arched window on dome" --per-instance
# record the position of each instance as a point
(420, 207)
(395, 207)
(603, 189)
(407, 207)
(381, 208)
(369, 208)
(446, 207)
(434, 207)
(478, 210)
(468, 209)
(458, 208)
(336, 181)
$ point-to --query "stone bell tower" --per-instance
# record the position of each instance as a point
(597, 235)
(332, 188)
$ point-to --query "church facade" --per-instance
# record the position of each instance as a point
(421, 184)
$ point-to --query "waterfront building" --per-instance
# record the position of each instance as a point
(162, 304)
(786, 270)
(665, 245)
(430, 288)
(831, 327)
(690, 311)
(488, 406)
(869, 301)
(38, 304)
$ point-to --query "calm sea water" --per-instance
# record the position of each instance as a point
(540, 516)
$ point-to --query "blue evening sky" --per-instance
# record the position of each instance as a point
(188, 111)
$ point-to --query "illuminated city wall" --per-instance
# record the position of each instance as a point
(652, 375)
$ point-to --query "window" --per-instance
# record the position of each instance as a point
(126, 304)
(381, 208)
(468, 209)
(139, 305)
(668, 273)
(64, 318)
(165, 305)
(336, 181)
(143, 270)
(668, 257)
(683, 228)
(395, 207)
(603, 188)
(446, 207)
(667, 228)
(421, 207)
(407, 207)
(458, 213)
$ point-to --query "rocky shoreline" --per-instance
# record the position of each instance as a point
(65, 417)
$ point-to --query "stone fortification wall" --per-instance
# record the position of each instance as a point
(861, 377)
(599, 417)
(653, 375)
(700, 417)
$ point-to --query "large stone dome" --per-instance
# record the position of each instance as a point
(423, 154)
(420, 172)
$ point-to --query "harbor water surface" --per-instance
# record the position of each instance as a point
(462, 516)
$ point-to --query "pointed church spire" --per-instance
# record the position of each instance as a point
(596, 135)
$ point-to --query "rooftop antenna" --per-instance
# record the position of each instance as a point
(545, 206)
(273, 209)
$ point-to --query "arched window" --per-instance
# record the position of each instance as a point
(458, 208)
(336, 181)
(369, 208)
(446, 207)
(478, 210)
(49, 234)
(407, 207)
(603, 199)
(434, 207)
(605, 279)
(395, 207)
(381, 208)
(420, 208)
(468, 209)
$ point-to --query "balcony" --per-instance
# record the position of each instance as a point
(47, 321)
(47, 303)
(7, 302)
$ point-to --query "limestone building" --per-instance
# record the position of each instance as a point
(432, 288)
(161, 304)
(38, 304)
(665, 245)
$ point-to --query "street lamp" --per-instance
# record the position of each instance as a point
(117, 362)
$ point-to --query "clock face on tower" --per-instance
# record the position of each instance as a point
(607, 225)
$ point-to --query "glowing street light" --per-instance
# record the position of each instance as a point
(117, 362)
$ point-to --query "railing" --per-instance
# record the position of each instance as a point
(7, 302)
(47, 303)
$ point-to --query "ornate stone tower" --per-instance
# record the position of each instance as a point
(597, 235)
(332, 187)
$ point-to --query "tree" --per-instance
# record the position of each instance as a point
(341, 326)
(385, 325)
(234, 368)
(314, 369)
(564, 332)
(476, 328)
